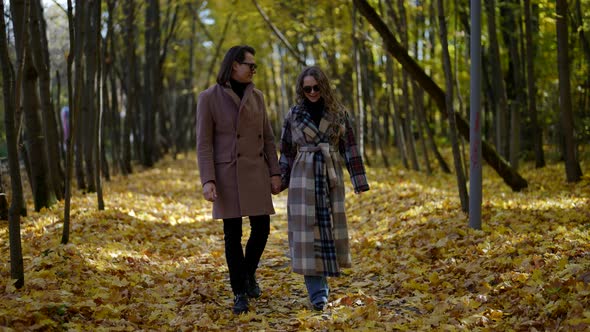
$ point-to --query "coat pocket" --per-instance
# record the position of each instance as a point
(222, 158)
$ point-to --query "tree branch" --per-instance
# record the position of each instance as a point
(393, 47)
(277, 32)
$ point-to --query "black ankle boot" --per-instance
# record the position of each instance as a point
(252, 288)
(240, 304)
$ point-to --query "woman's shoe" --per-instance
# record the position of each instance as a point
(240, 304)
(318, 306)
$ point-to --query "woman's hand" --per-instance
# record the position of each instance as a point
(275, 184)
(210, 191)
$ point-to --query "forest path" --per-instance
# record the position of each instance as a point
(154, 259)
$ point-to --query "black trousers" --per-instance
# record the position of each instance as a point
(241, 266)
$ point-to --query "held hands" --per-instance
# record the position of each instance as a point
(210, 191)
(275, 184)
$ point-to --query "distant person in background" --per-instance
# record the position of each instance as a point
(65, 122)
(317, 139)
(238, 166)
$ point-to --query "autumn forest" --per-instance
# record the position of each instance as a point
(104, 225)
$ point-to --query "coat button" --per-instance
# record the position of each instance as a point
(259, 136)
(238, 155)
(261, 154)
(238, 136)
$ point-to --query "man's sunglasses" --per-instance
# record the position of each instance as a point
(307, 89)
(253, 66)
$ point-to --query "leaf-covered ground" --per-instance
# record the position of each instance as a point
(154, 260)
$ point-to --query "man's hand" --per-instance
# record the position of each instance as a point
(275, 184)
(210, 191)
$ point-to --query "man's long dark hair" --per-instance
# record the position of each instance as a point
(236, 53)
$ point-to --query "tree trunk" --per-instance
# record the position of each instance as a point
(584, 103)
(407, 116)
(510, 10)
(3, 201)
(359, 102)
(421, 124)
(106, 125)
(459, 172)
(60, 124)
(509, 175)
(94, 38)
(151, 75)
(43, 194)
(368, 81)
(89, 110)
(79, 91)
(499, 89)
(129, 10)
(163, 138)
(532, 87)
(572, 168)
(114, 117)
(39, 48)
(72, 124)
(398, 131)
(9, 88)
(583, 36)
(393, 108)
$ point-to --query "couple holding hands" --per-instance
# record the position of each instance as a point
(239, 171)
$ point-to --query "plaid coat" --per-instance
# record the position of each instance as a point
(311, 167)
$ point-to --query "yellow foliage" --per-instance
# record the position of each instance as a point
(154, 260)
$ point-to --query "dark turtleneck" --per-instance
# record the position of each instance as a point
(316, 110)
(238, 87)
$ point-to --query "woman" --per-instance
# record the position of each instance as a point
(238, 166)
(317, 136)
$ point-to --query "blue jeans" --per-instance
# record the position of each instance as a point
(317, 288)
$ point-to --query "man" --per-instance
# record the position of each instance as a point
(238, 166)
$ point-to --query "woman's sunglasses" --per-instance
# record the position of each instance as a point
(307, 89)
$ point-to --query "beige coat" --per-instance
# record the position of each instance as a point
(236, 149)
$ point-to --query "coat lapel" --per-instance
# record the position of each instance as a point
(247, 94)
(307, 126)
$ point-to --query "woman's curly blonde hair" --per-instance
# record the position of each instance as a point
(330, 101)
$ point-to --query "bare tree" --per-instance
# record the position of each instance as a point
(131, 84)
(39, 48)
(360, 100)
(9, 88)
(510, 14)
(151, 77)
(532, 87)
(500, 102)
(43, 195)
(459, 172)
(109, 69)
(572, 167)
(94, 38)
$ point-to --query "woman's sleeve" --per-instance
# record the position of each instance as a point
(352, 158)
(288, 153)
